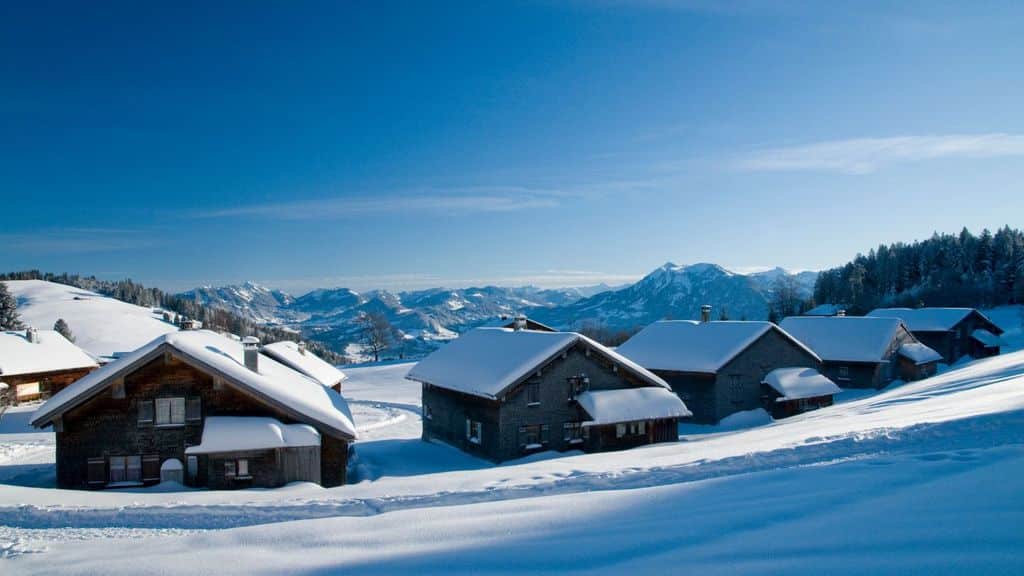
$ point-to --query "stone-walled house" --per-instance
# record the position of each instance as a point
(952, 332)
(36, 364)
(863, 352)
(202, 409)
(716, 367)
(502, 394)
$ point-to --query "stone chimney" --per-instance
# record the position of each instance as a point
(32, 335)
(302, 348)
(705, 313)
(520, 322)
(841, 313)
(251, 348)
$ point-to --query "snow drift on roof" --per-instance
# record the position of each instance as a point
(844, 338)
(306, 362)
(237, 433)
(925, 319)
(630, 405)
(797, 383)
(486, 361)
(689, 346)
(49, 353)
(919, 353)
(987, 338)
(274, 381)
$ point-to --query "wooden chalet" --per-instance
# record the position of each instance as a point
(502, 394)
(952, 332)
(790, 391)
(297, 357)
(36, 364)
(202, 409)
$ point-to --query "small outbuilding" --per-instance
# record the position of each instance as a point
(790, 391)
(501, 394)
(952, 332)
(36, 364)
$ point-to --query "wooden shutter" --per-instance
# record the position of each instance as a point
(194, 409)
(177, 410)
(145, 412)
(163, 411)
(97, 471)
(133, 468)
(151, 467)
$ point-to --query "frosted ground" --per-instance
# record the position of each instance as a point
(922, 477)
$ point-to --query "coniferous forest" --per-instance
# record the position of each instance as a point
(962, 269)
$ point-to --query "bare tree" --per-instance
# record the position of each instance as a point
(786, 300)
(376, 333)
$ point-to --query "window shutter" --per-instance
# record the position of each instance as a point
(117, 472)
(177, 410)
(469, 432)
(150, 467)
(194, 409)
(133, 469)
(243, 467)
(146, 412)
(163, 411)
(97, 471)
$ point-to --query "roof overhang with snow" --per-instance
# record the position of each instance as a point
(799, 383)
(631, 405)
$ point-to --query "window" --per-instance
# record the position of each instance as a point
(229, 468)
(243, 469)
(533, 394)
(133, 468)
(620, 430)
(97, 471)
(534, 436)
(237, 469)
(117, 471)
(194, 409)
(736, 387)
(428, 414)
(146, 412)
(844, 372)
(193, 467)
(578, 385)
(170, 411)
(630, 429)
(474, 431)
(150, 467)
(572, 432)
(117, 390)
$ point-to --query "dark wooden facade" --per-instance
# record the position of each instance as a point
(520, 423)
(736, 386)
(49, 383)
(890, 366)
(118, 422)
(788, 408)
(957, 342)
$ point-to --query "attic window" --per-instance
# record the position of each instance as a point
(533, 394)
(117, 390)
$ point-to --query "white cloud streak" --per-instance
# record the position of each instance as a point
(866, 155)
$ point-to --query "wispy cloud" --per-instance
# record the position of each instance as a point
(450, 201)
(866, 155)
(77, 240)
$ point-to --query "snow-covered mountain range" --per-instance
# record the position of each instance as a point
(425, 317)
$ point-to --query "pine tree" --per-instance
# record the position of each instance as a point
(62, 328)
(9, 319)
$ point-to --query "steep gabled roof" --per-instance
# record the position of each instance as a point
(487, 361)
(845, 338)
(275, 384)
(930, 319)
(50, 353)
(305, 361)
(690, 346)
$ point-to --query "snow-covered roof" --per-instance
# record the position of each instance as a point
(987, 338)
(919, 353)
(690, 346)
(510, 321)
(237, 433)
(305, 361)
(844, 338)
(630, 405)
(486, 361)
(927, 319)
(51, 352)
(797, 383)
(302, 397)
(825, 310)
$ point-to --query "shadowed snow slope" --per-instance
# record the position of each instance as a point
(925, 476)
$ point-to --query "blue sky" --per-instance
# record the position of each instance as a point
(418, 144)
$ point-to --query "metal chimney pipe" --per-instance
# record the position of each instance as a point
(251, 349)
(705, 313)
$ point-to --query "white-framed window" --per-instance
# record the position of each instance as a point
(534, 436)
(125, 469)
(242, 468)
(630, 429)
(229, 469)
(194, 409)
(170, 411)
(532, 393)
(474, 431)
(145, 408)
(620, 430)
(572, 432)
(844, 372)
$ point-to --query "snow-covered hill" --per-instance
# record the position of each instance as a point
(927, 476)
(102, 326)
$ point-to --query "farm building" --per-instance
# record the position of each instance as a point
(199, 408)
(35, 364)
(952, 332)
(502, 394)
(716, 368)
(297, 357)
(863, 352)
(790, 391)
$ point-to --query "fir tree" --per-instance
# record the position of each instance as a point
(62, 328)
(9, 319)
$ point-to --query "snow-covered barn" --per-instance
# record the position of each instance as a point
(789, 391)
(952, 332)
(716, 368)
(200, 408)
(864, 352)
(502, 394)
(35, 364)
